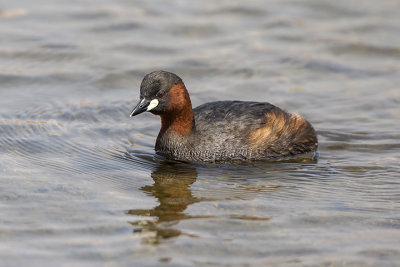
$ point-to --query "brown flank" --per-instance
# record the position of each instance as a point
(277, 125)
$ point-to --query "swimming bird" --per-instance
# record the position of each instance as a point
(222, 130)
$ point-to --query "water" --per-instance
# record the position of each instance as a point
(80, 184)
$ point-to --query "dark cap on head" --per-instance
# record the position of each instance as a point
(158, 82)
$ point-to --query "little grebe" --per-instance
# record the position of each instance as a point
(222, 130)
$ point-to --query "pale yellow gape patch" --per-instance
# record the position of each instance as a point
(153, 104)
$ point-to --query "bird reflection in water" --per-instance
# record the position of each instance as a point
(172, 189)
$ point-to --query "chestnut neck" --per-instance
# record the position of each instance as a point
(178, 117)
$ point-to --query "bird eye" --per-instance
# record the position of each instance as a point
(160, 94)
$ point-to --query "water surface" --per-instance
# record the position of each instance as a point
(79, 181)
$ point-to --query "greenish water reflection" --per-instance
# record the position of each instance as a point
(171, 188)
